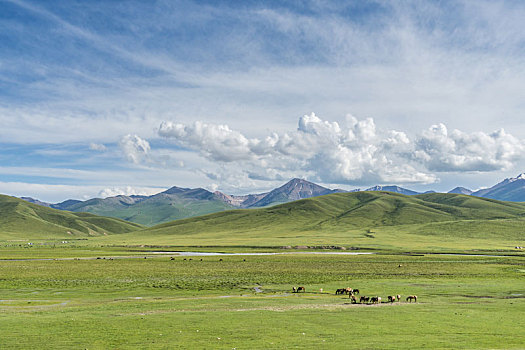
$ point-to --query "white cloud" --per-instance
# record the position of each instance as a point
(216, 142)
(57, 193)
(134, 148)
(355, 154)
(318, 149)
(441, 150)
(97, 147)
(128, 191)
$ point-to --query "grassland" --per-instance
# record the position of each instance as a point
(464, 302)
(114, 291)
(20, 220)
(154, 210)
(376, 220)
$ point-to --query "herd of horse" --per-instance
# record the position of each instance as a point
(351, 292)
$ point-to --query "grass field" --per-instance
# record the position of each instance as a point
(245, 302)
(78, 281)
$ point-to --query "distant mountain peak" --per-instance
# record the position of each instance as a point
(510, 189)
(461, 190)
(293, 190)
(296, 181)
(175, 189)
(392, 188)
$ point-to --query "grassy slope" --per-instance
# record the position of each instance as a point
(154, 210)
(352, 219)
(22, 220)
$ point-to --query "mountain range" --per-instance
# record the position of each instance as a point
(177, 203)
(358, 219)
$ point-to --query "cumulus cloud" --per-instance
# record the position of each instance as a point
(128, 191)
(134, 148)
(441, 150)
(356, 153)
(217, 142)
(321, 150)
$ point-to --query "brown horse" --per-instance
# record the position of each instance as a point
(353, 298)
(301, 289)
(398, 297)
(391, 298)
(412, 297)
(348, 290)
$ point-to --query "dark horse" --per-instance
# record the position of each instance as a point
(412, 297)
(298, 289)
(340, 291)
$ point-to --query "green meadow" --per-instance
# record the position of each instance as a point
(77, 281)
(245, 302)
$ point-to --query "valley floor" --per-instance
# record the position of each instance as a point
(246, 302)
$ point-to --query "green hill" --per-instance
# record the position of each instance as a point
(350, 219)
(22, 220)
(173, 204)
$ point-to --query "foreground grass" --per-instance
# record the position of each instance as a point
(464, 302)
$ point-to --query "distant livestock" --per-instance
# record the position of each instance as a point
(364, 299)
(298, 289)
(340, 291)
(375, 300)
(412, 297)
(391, 298)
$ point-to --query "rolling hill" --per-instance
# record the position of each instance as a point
(348, 218)
(22, 220)
(178, 203)
(172, 204)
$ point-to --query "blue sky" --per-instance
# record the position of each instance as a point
(99, 98)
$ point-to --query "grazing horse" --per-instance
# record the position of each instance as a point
(375, 300)
(355, 291)
(340, 291)
(354, 300)
(412, 297)
(391, 298)
(398, 297)
(348, 290)
(364, 299)
(298, 289)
